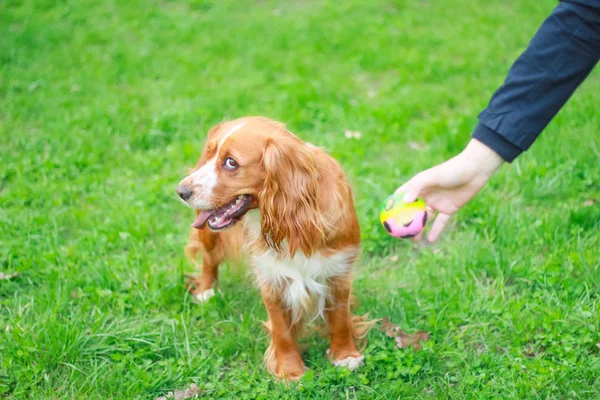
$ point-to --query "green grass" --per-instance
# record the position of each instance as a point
(104, 105)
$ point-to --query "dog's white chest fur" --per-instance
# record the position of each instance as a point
(302, 279)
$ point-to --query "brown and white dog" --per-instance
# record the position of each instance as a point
(298, 225)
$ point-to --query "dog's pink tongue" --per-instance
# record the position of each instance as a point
(201, 219)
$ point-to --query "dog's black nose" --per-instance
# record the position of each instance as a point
(184, 191)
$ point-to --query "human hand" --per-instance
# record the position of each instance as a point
(450, 185)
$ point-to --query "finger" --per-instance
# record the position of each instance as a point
(438, 226)
(402, 189)
(413, 188)
(417, 238)
(410, 190)
(430, 214)
(411, 196)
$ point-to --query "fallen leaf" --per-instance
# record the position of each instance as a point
(192, 392)
(352, 134)
(414, 340)
(530, 351)
(415, 145)
(4, 276)
(403, 339)
(388, 328)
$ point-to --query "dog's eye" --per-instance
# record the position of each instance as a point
(230, 164)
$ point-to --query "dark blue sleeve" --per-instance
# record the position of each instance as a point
(560, 56)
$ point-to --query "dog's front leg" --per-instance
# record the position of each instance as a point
(211, 247)
(282, 357)
(342, 350)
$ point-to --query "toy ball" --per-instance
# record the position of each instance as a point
(403, 220)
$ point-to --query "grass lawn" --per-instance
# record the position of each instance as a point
(104, 106)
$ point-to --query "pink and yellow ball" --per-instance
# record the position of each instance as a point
(403, 220)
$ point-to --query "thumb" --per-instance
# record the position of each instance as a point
(411, 196)
(412, 188)
(410, 193)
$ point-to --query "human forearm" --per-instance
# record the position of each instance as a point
(559, 57)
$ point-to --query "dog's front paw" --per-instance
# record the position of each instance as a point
(205, 295)
(293, 373)
(201, 291)
(351, 362)
(286, 368)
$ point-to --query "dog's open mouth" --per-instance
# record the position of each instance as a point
(225, 216)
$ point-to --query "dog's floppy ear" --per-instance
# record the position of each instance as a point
(213, 130)
(202, 159)
(290, 217)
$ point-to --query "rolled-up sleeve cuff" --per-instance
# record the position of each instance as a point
(492, 139)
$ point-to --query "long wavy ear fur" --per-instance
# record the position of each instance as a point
(202, 160)
(290, 217)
